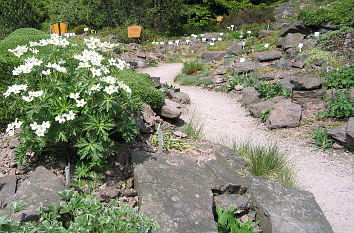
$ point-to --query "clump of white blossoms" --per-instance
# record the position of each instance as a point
(40, 129)
(12, 126)
(94, 43)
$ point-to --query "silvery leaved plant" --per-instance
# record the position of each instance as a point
(68, 95)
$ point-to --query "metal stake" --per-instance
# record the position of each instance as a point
(67, 175)
(160, 138)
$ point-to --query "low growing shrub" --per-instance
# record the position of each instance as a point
(269, 90)
(329, 58)
(78, 30)
(341, 106)
(244, 79)
(195, 80)
(192, 67)
(321, 139)
(80, 212)
(341, 79)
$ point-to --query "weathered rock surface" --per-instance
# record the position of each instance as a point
(7, 189)
(285, 209)
(285, 82)
(264, 33)
(146, 119)
(225, 201)
(175, 191)
(178, 96)
(259, 108)
(284, 114)
(245, 67)
(338, 133)
(171, 109)
(291, 40)
(306, 83)
(40, 189)
(349, 130)
(295, 27)
(302, 97)
(235, 49)
(249, 95)
(214, 55)
(268, 55)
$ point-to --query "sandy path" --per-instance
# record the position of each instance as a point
(329, 176)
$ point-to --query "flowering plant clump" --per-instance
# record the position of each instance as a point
(69, 94)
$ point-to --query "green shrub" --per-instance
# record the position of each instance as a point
(341, 79)
(192, 67)
(227, 223)
(341, 106)
(244, 79)
(78, 30)
(335, 40)
(194, 129)
(80, 212)
(320, 138)
(253, 27)
(329, 58)
(340, 13)
(264, 116)
(266, 161)
(269, 90)
(143, 88)
(195, 80)
(232, 35)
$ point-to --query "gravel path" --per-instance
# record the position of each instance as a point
(328, 175)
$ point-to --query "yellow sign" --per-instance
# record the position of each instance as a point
(59, 28)
(134, 31)
(219, 18)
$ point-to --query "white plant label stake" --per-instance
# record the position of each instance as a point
(317, 34)
(219, 39)
(85, 29)
(243, 45)
(300, 46)
(232, 27)
(213, 39)
(67, 175)
(212, 43)
(203, 39)
(242, 59)
(266, 46)
(221, 33)
(249, 33)
(160, 139)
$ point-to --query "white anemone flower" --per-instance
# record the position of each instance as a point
(70, 115)
(80, 103)
(27, 98)
(60, 119)
(96, 72)
(46, 72)
(110, 89)
(95, 87)
(74, 96)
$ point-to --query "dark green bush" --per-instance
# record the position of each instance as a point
(192, 67)
(341, 79)
(340, 13)
(253, 27)
(341, 106)
(269, 90)
(78, 30)
(143, 88)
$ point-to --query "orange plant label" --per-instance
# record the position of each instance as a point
(134, 31)
(219, 18)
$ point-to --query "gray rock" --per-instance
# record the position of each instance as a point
(214, 55)
(285, 82)
(292, 53)
(282, 64)
(179, 97)
(219, 79)
(349, 130)
(267, 76)
(298, 64)
(309, 44)
(225, 201)
(235, 49)
(239, 87)
(284, 114)
(295, 27)
(157, 81)
(264, 33)
(285, 209)
(352, 93)
(307, 83)
(338, 133)
(313, 96)
(13, 143)
(40, 189)
(291, 40)
(245, 67)
(171, 109)
(222, 70)
(140, 64)
(112, 37)
(259, 108)
(146, 119)
(268, 55)
(174, 191)
(250, 95)
(7, 189)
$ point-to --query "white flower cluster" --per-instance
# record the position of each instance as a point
(31, 95)
(54, 40)
(65, 117)
(19, 50)
(12, 126)
(94, 43)
(113, 88)
(89, 56)
(120, 64)
(27, 67)
(76, 96)
(15, 89)
(57, 67)
(40, 129)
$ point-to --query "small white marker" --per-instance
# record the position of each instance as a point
(242, 59)
(266, 46)
(85, 29)
(219, 39)
(317, 34)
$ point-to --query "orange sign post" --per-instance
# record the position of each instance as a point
(268, 23)
(134, 31)
(59, 28)
(219, 18)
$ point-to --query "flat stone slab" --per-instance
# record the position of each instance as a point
(284, 114)
(171, 109)
(268, 55)
(285, 209)
(174, 191)
(225, 201)
(307, 83)
(245, 67)
(40, 189)
(214, 55)
(7, 189)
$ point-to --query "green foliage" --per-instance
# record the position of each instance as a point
(269, 90)
(195, 80)
(317, 54)
(227, 223)
(341, 106)
(264, 116)
(266, 161)
(143, 88)
(170, 141)
(260, 47)
(340, 13)
(192, 67)
(341, 79)
(253, 27)
(232, 35)
(244, 79)
(335, 40)
(78, 30)
(320, 138)
(194, 129)
(80, 212)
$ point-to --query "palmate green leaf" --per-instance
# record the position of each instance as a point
(90, 147)
(99, 124)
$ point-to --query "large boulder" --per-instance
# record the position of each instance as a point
(7, 189)
(175, 191)
(226, 200)
(306, 83)
(250, 95)
(295, 27)
(291, 40)
(178, 96)
(235, 49)
(344, 134)
(286, 83)
(245, 67)
(171, 109)
(338, 133)
(146, 119)
(214, 55)
(40, 189)
(268, 55)
(313, 96)
(258, 109)
(285, 209)
(349, 130)
(284, 114)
